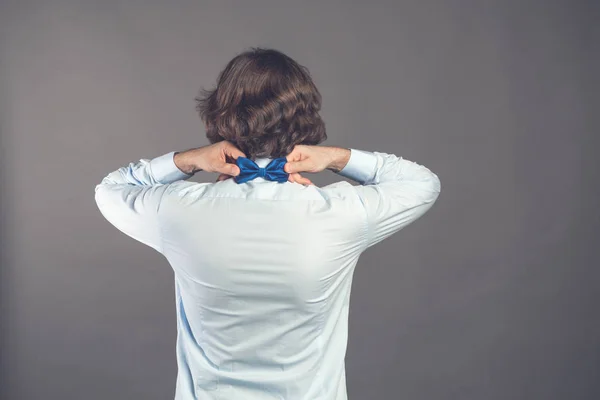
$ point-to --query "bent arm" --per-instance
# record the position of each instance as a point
(129, 198)
(394, 191)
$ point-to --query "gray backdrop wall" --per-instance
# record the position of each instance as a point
(492, 295)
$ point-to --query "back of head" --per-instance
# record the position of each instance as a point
(265, 103)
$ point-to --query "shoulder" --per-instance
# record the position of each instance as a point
(343, 196)
(182, 189)
(340, 190)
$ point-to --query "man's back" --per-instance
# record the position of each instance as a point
(263, 270)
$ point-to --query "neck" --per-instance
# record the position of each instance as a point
(263, 161)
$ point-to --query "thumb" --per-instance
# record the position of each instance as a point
(234, 170)
(297, 166)
(229, 169)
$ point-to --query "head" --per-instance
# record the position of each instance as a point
(265, 103)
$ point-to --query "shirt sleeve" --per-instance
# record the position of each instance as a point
(129, 198)
(394, 191)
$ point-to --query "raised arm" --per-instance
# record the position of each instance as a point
(129, 198)
(394, 191)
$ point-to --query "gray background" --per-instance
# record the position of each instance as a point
(492, 295)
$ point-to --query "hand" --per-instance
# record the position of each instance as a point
(293, 177)
(304, 158)
(316, 159)
(217, 157)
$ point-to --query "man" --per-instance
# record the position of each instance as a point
(263, 259)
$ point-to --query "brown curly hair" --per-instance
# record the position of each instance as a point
(265, 103)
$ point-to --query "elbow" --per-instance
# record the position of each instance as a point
(436, 184)
(98, 192)
(103, 204)
(100, 196)
(427, 180)
(433, 187)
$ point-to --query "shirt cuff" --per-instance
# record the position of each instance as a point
(361, 166)
(164, 169)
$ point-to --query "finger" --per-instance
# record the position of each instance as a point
(293, 156)
(233, 151)
(305, 181)
(297, 153)
(229, 169)
(295, 177)
(297, 166)
(223, 177)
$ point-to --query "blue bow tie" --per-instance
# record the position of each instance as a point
(250, 170)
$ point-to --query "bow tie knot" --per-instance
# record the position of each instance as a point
(250, 170)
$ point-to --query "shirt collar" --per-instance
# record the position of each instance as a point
(262, 161)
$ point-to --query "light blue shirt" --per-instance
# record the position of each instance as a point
(263, 270)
